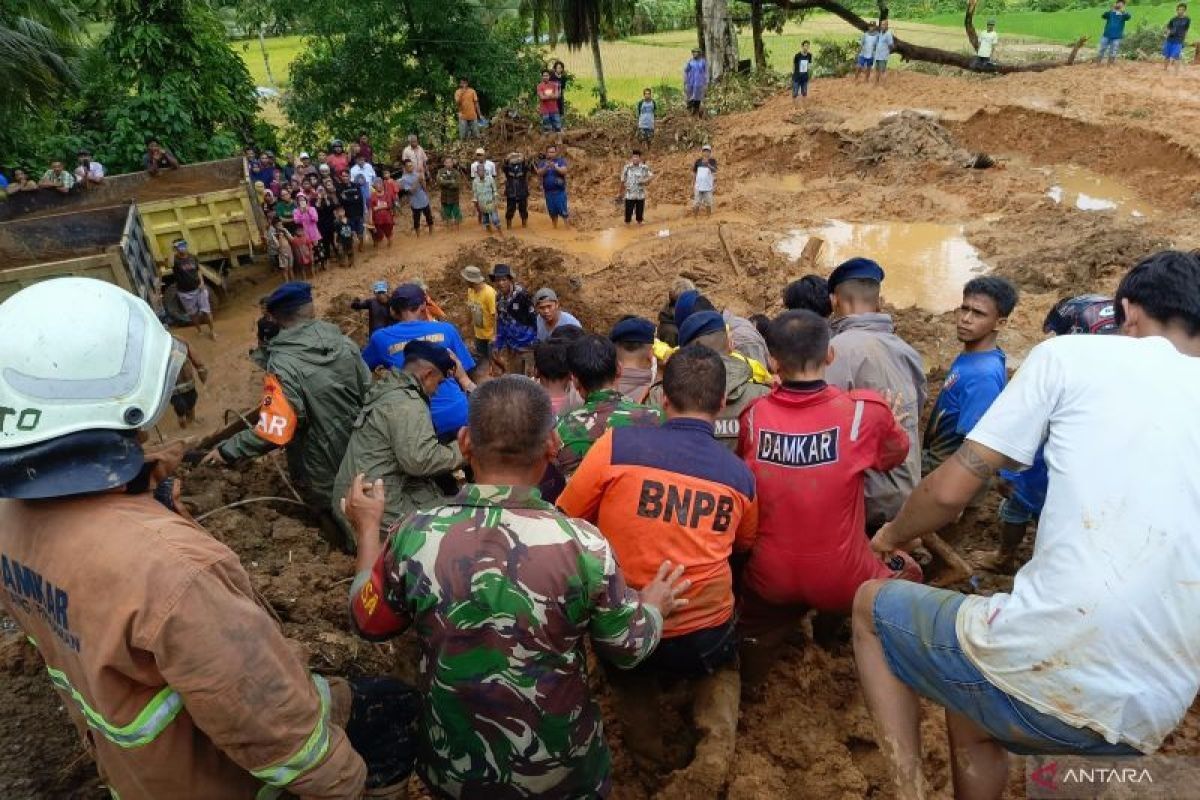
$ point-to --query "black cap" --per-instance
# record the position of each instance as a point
(635, 330)
(700, 324)
(408, 296)
(433, 353)
(501, 271)
(856, 269)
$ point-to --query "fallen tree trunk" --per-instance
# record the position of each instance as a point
(930, 55)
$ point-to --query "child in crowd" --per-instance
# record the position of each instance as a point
(343, 237)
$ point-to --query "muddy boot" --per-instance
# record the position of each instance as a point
(758, 653)
(715, 714)
(636, 697)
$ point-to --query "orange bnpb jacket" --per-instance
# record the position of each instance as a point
(670, 493)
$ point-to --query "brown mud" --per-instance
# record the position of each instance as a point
(781, 170)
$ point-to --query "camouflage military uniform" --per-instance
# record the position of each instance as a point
(502, 588)
(604, 409)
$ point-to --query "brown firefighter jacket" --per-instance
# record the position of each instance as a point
(180, 685)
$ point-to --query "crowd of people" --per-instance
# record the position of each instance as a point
(681, 492)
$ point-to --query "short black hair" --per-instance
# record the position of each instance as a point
(799, 340)
(1002, 292)
(593, 361)
(762, 324)
(509, 420)
(635, 152)
(804, 42)
(694, 380)
(550, 360)
(566, 334)
(1166, 286)
(810, 293)
(859, 289)
(703, 304)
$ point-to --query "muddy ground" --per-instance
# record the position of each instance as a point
(1131, 139)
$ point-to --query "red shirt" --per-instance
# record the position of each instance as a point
(547, 92)
(809, 451)
(338, 163)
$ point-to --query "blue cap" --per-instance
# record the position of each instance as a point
(700, 324)
(635, 330)
(289, 297)
(433, 353)
(409, 296)
(379, 286)
(856, 269)
(684, 305)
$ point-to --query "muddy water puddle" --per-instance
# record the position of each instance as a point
(925, 263)
(1089, 191)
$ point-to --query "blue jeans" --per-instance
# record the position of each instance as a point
(800, 84)
(916, 626)
(468, 128)
(551, 122)
(1108, 47)
(1014, 512)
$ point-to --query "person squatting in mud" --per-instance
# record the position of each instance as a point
(502, 587)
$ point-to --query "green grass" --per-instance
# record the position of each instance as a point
(1059, 26)
(281, 50)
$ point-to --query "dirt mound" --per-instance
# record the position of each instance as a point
(353, 323)
(908, 136)
(1076, 250)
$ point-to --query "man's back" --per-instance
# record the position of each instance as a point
(809, 448)
(155, 617)
(1115, 568)
(670, 493)
(502, 588)
(603, 409)
(869, 355)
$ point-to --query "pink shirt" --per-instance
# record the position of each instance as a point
(307, 217)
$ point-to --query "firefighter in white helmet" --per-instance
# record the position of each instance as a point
(179, 683)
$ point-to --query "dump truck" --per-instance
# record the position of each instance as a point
(105, 243)
(211, 205)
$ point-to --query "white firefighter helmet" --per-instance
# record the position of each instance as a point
(78, 354)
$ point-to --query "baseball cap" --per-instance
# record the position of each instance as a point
(433, 353)
(501, 271)
(379, 286)
(707, 147)
(856, 269)
(545, 293)
(179, 244)
(289, 296)
(479, 151)
(304, 155)
(635, 330)
(472, 274)
(408, 296)
(700, 324)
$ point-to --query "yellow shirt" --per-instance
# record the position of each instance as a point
(482, 303)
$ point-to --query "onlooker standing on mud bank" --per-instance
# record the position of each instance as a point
(191, 289)
(801, 71)
(516, 189)
(449, 181)
(634, 177)
(705, 170)
(884, 45)
(548, 97)
(866, 52)
(1177, 31)
(467, 101)
(553, 170)
(646, 109)
(695, 82)
(1097, 649)
(1114, 32)
(987, 46)
(479, 646)
(869, 355)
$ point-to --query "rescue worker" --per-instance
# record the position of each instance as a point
(668, 331)
(746, 343)
(812, 550)
(594, 371)
(180, 683)
(708, 328)
(634, 338)
(312, 392)
(410, 312)
(869, 355)
(502, 589)
(674, 493)
(393, 437)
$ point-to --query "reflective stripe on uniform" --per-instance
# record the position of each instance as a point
(146, 726)
(306, 757)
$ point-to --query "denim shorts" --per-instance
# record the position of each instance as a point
(556, 204)
(865, 61)
(1014, 512)
(694, 654)
(551, 122)
(915, 624)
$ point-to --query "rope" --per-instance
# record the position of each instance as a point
(247, 501)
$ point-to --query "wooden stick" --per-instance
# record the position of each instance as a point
(737, 270)
(810, 253)
(943, 550)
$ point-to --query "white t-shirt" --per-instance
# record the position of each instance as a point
(867, 45)
(884, 46)
(364, 169)
(94, 170)
(704, 178)
(987, 43)
(489, 167)
(1102, 629)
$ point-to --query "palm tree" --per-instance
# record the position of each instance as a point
(38, 48)
(580, 22)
